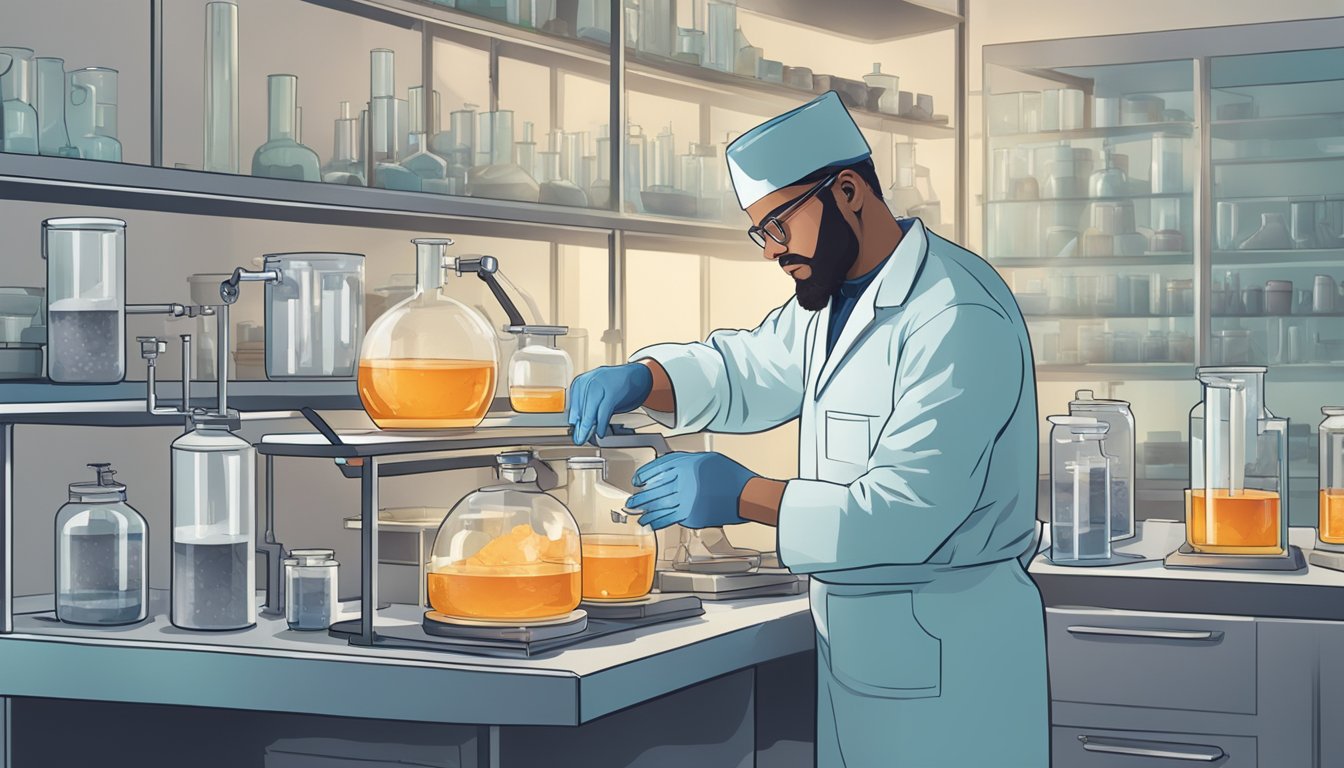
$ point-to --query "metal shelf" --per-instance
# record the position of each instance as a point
(867, 20)
(1312, 158)
(1131, 132)
(123, 404)
(1318, 126)
(1121, 198)
(1043, 318)
(1304, 257)
(1116, 372)
(1038, 262)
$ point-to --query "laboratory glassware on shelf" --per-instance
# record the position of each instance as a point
(1237, 502)
(101, 562)
(507, 553)
(618, 552)
(314, 315)
(23, 332)
(428, 167)
(220, 145)
(387, 125)
(52, 136)
(347, 153)
(310, 589)
(431, 361)
(86, 299)
(539, 371)
(1080, 491)
(1119, 446)
(282, 156)
(91, 114)
(1329, 549)
(495, 174)
(19, 123)
(556, 187)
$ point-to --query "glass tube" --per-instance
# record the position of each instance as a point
(383, 106)
(221, 88)
(495, 142)
(19, 118)
(52, 136)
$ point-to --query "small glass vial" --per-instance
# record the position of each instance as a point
(1080, 499)
(539, 371)
(100, 555)
(310, 589)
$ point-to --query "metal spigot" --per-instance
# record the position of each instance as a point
(151, 347)
(485, 268)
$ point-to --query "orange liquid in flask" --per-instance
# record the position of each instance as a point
(537, 399)
(616, 571)
(519, 575)
(426, 394)
(1245, 524)
(1332, 515)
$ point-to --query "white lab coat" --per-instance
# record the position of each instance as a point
(915, 498)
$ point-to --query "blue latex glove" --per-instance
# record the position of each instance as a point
(697, 490)
(596, 395)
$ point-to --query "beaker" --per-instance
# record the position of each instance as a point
(1236, 502)
(1119, 446)
(539, 371)
(1080, 500)
(91, 113)
(19, 123)
(618, 552)
(282, 156)
(347, 151)
(1331, 510)
(86, 299)
(52, 136)
(657, 27)
(310, 589)
(314, 315)
(101, 567)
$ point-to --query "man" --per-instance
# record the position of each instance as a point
(907, 363)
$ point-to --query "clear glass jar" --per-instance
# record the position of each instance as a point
(101, 568)
(1119, 446)
(91, 113)
(507, 553)
(618, 552)
(1331, 510)
(86, 299)
(314, 315)
(310, 589)
(539, 371)
(1080, 500)
(214, 511)
(430, 362)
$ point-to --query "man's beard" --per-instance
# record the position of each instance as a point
(837, 249)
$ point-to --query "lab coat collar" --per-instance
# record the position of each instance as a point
(891, 288)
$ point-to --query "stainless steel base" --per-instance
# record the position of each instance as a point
(724, 586)
(436, 623)
(1326, 558)
(646, 607)
(1188, 558)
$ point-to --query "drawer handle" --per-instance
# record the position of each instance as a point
(1195, 753)
(1151, 634)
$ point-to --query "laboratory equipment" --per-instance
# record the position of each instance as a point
(101, 562)
(657, 27)
(203, 289)
(539, 371)
(221, 88)
(405, 546)
(635, 162)
(749, 58)
(16, 89)
(495, 174)
(86, 299)
(1329, 550)
(691, 48)
(387, 125)
(1119, 446)
(1236, 504)
(593, 20)
(1080, 496)
(431, 361)
(431, 169)
(555, 187)
(52, 136)
(525, 151)
(23, 332)
(599, 190)
(507, 553)
(1273, 235)
(618, 552)
(93, 126)
(347, 151)
(902, 195)
(1168, 165)
(282, 156)
(310, 589)
(314, 315)
(721, 36)
(890, 85)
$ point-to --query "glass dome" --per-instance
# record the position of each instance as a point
(618, 552)
(539, 371)
(430, 362)
(507, 552)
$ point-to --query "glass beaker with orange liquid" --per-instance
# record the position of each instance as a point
(430, 361)
(539, 371)
(618, 552)
(1330, 532)
(508, 553)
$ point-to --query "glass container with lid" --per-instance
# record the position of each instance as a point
(86, 299)
(430, 362)
(1080, 499)
(101, 568)
(507, 553)
(1119, 446)
(539, 371)
(314, 315)
(310, 589)
(1331, 530)
(618, 552)
(1237, 500)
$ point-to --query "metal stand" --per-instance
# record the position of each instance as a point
(1185, 557)
(1327, 558)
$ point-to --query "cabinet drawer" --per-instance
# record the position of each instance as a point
(1164, 661)
(1099, 748)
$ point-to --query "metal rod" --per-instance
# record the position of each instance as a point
(616, 130)
(176, 310)
(274, 551)
(962, 54)
(7, 531)
(156, 82)
(1203, 229)
(368, 567)
(222, 357)
(186, 372)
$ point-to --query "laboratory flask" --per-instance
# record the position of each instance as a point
(618, 552)
(1119, 446)
(86, 299)
(430, 362)
(52, 136)
(1080, 500)
(1331, 531)
(539, 371)
(101, 568)
(91, 113)
(16, 100)
(495, 174)
(1237, 501)
(314, 315)
(347, 151)
(282, 156)
(507, 553)
(310, 589)
(431, 169)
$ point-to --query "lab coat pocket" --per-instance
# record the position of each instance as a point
(879, 648)
(847, 437)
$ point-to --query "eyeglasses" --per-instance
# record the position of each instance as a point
(773, 226)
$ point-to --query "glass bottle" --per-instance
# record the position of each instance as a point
(81, 118)
(431, 361)
(282, 156)
(1080, 500)
(618, 552)
(507, 553)
(214, 509)
(221, 88)
(310, 589)
(101, 568)
(16, 88)
(495, 175)
(1119, 446)
(86, 299)
(525, 152)
(52, 136)
(1237, 502)
(386, 125)
(314, 315)
(539, 371)
(347, 151)
(1331, 510)
(429, 167)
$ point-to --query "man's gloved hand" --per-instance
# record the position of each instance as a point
(697, 490)
(596, 395)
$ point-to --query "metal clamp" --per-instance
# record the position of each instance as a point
(485, 268)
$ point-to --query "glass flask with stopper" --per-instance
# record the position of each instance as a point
(507, 553)
(618, 552)
(1119, 446)
(430, 362)
(282, 156)
(1080, 498)
(101, 568)
(86, 299)
(539, 371)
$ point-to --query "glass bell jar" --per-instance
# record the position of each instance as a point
(618, 552)
(539, 371)
(430, 362)
(508, 553)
